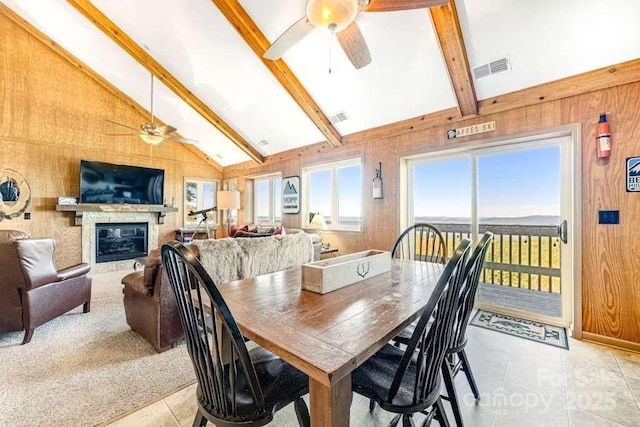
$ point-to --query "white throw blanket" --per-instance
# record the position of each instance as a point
(221, 258)
(264, 255)
(232, 259)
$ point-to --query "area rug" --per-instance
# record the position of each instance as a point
(85, 369)
(534, 331)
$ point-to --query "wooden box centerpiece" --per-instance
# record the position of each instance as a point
(329, 275)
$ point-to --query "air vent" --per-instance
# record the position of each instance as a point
(338, 117)
(499, 66)
(263, 143)
(218, 156)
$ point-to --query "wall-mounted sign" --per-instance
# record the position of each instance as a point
(291, 195)
(471, 130)
(633, 174)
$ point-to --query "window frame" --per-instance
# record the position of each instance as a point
(274, 200)
(213, 218)
(333, 166)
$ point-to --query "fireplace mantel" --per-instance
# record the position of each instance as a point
(81, 208)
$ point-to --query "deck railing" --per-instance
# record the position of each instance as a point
(521, 256)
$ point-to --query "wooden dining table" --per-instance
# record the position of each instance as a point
(328, 336)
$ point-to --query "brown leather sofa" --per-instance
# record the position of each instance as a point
(150, 306)
(32, 290)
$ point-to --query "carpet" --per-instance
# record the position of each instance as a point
(84, 369)
(534, 331)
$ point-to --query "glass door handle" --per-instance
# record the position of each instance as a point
(562, 231)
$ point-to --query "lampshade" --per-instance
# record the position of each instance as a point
(334, 15)
(228, 200)
(318, 222)
(152, 139)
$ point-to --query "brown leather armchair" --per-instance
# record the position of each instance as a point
(150, 305)
(32, 290)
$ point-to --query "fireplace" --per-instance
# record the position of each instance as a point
(121, 241)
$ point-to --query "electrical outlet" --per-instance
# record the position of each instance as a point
(27, 215)
(608, 217)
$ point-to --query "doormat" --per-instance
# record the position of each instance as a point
(534, 331)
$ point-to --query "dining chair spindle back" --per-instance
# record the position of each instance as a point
(235, 386)
(421, 242)
(407, 382)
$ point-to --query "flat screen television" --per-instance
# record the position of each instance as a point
(120, 184)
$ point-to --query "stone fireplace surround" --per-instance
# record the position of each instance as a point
(89, 221)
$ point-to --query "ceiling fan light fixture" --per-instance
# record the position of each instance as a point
(333, 15)
(152, 139)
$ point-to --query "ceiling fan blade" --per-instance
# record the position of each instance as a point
(120, 124)
(354, 45)
(391, 5)
(182, 140)
(166, 129)
(293, 35)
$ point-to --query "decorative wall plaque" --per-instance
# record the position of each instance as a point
(15, 194)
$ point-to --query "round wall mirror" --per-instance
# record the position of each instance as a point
(15, 194)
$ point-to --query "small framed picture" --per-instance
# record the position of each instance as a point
(291, 195)
(633, 174)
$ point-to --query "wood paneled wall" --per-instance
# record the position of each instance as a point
(611, 264)
(50, 118)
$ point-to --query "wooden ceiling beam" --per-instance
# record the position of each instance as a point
(249, 31)
(147, 61)
(447, 26)
(39, 35)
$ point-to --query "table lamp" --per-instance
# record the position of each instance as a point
(228, 200)
(318, 223)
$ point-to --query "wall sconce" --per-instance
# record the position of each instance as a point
(377, 183)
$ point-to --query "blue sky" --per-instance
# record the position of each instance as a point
(511, 184)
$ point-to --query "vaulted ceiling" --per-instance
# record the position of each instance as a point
(214, 87)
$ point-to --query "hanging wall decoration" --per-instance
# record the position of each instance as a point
(377, 183)
(633, 174)
(15, 194)
(291, 195)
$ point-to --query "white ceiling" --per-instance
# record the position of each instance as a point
(406, 78)
(545, 40)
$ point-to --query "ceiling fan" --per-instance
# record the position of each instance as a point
(152, 133)
(338, 16)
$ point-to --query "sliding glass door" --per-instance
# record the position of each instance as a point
(521, 193)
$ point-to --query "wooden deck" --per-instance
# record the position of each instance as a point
(545, 303)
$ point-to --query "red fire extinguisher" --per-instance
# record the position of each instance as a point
(603, 139)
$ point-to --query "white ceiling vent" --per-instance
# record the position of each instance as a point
(499, 66)
(263, 143)
(338, 117)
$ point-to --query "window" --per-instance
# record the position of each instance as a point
(199, 194)
(335, 191)
(266, 199)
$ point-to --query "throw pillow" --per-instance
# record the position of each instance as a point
(234, 230)
(241, 233)
(278, 231)
(265, 230)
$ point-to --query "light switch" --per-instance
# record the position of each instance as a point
(608, 217)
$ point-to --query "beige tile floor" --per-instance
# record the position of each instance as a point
(522, 384)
